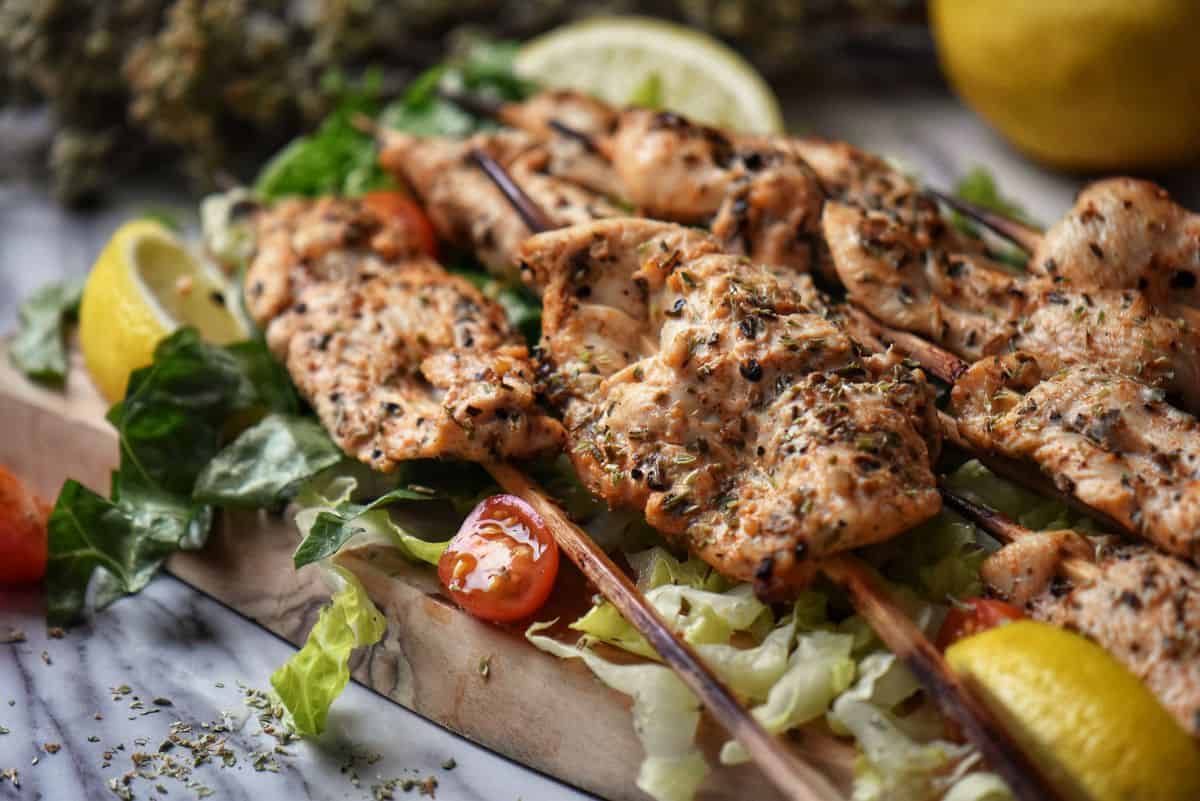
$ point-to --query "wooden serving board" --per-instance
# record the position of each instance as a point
(544, 712)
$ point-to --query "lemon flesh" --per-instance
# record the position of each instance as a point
(142, 287)
(1094, 729)
(1103, 84)
(616, 58)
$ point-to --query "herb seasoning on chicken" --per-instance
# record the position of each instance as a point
(711, 393)
(400, 359)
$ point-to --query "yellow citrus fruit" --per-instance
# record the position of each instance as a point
(1103, 84)
(628, 59)
(1095, 730)
(142, 287)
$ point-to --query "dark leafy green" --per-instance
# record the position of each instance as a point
(482, 68)
(340, 157)
(170, 426)
(38, 349)
(334, 527)
(267, 463)
(336, 159)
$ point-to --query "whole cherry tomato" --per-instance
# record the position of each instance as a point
(502, 563)
(408, 211)
(22, 532)
(973, 616)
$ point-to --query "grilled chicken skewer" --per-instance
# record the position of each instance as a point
(1157, 611)
(705, 392)
(898, 257)
(402, 360)
(1121, 233)
(1140, 605)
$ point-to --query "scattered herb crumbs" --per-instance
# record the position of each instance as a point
(35, 760)
(93, 738)
(12, 635)
(56, 632)
(449, 764)
(160, 701)
(46, 658)
(13, 775)
(52, 748)
(485, 667)
(428, 786)
(5, 730)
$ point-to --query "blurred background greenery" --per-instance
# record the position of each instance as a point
(209, 87)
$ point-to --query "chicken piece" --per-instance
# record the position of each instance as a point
(568, 123)
(710, 393)
(905, 268)
(1125, 234)
(1111, 442)
(1114, 329)
(1025, 568)
(1144, 609)
(912, 273)
(410, 362)
(760, 199)
(580, 112)
(466, 207)
(302, 242)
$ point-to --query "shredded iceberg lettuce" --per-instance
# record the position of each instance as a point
(665, 717)
(315, 676)
(793, 670)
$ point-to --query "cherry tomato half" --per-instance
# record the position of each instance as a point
(973, 616)
(501, 564)
(22, 532)
(409, 212)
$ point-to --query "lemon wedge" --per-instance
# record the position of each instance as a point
(620, 59)
(143, 286)
(1094, 729)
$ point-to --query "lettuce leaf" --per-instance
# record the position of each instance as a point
(818, 670)
(37, 349)
(327, 522)
(315, 676)
(264, 466)
(665, 717)
(1027, 508)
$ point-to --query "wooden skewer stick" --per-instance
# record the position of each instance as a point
(944, 365)
(1081, 571)
(881, 612)
(947, 689)
(529, 211)
(795, 779)
(1023, 236)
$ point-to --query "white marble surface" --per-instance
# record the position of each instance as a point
(173, 642)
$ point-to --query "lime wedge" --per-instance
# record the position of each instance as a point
(619, 58)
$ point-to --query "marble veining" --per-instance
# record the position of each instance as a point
(172, 643)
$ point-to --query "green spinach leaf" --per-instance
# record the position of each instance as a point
(170, 426)
(264, 466)
(38, 350)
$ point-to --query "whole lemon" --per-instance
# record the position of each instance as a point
(1093, 85)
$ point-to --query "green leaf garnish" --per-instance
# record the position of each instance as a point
(38, 350)
(315, 676)
(264, 466)
(170, 426)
